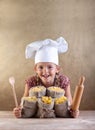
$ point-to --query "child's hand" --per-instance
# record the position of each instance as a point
(17, 112)
(75, 113)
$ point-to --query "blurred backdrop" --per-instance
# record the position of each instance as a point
(25, 21)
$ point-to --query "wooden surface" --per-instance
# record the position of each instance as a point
(86, 121)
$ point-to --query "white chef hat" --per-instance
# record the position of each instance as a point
(46, 50)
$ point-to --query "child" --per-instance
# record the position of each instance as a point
(47, 68)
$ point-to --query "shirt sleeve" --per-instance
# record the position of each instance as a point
(64, 81)
(31, 81)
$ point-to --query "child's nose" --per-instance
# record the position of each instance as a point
(45, 70)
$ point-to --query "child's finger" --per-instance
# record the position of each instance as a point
(74, 113)
(17, 112)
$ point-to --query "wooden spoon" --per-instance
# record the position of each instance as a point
(12, 82)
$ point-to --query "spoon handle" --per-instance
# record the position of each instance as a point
(15, 97)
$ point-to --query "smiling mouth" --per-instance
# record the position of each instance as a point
(45, 76)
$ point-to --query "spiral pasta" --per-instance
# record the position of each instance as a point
(30, 99)
(60, 100)
(57, 89)
(46, 100)
(37, 88)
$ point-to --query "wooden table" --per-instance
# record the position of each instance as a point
(86, 121)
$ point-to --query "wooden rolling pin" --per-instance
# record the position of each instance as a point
(78, 94)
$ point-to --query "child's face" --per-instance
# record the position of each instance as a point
(46, 72)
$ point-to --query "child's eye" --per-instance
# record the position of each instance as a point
(50, 67)
(40, 67)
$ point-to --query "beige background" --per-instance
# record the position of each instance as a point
(24, 21)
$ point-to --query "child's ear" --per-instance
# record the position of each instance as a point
(58, 68)
(35, 68)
